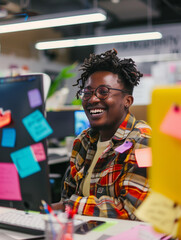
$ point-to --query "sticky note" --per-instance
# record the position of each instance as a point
(139, 232)
(105, 226)
(124, 147)
(8, 137)
(161, 212)
(171, 123)
(25, 162)
(34, 97)
(9, 182)
(5, 118)
(37, 126)
(143, 157)
(39, 152)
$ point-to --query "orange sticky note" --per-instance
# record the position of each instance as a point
(144, 157)
(171, 123)
(5, 118)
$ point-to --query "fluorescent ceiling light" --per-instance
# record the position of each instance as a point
(55, 20)
(98, 40)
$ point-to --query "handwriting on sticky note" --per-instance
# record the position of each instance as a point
(9, 182)
(25, 162)
(34, 97)
(39, 152)
(161, 212)
(5, 118)
(124, 147)
(8, 137)
(144, 157)
(37, 126)
(171, 123)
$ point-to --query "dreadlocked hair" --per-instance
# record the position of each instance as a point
(108, 61)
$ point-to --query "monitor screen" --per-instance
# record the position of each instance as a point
(24, 180)
(81, 122)
(62, 123)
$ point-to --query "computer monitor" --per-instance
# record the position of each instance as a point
(24, 179)
(81, 121)
(62, 123)
(67, 123)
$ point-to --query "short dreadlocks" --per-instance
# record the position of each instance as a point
(108, 61)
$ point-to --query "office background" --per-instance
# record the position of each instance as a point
(158, 59)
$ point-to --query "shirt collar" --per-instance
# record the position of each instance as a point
(122, 132)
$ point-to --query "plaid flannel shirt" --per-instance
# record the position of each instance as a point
(117, 185)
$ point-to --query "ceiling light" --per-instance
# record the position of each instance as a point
(98, 40)
(55, 20)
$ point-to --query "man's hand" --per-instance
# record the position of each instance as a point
(58, 206)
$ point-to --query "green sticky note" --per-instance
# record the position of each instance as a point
(105, 226)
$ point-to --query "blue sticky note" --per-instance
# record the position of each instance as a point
(25, 162)
(37, 126)
(8, 137)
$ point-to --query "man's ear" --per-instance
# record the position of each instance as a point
(128, 101)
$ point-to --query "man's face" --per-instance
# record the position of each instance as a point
(108, 113)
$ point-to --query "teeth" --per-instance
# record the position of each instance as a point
(93, 111)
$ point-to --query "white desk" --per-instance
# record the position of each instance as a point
(118, 227)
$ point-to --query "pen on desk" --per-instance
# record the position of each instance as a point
(49, 219)
(49, 210)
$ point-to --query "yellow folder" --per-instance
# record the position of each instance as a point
(162, 208)
(165, 175)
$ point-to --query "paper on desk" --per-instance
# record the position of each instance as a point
(37, 126)
(25, 162)
(161, 212)
(9, 180)
(171, 123)
(104, 226)
(8, 137)
(34, 97)
(139, 232)
(143, 157)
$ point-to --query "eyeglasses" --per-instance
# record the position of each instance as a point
(101, 92)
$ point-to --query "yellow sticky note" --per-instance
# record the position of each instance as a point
(143, 157)
(161, 212)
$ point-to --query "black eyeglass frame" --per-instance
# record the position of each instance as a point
(94, 91)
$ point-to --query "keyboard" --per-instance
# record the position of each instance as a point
(30, 223)
(20, 221)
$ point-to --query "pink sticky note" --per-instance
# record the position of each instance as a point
(125, 146)
(139, 232)
(144, 157)
(9, 182)
(171, 123)
(39, 151)
(35, 99)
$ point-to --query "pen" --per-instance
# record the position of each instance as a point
(49, 210)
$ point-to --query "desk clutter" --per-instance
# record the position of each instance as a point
(51, 225)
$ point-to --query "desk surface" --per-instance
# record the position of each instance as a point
(115, 226)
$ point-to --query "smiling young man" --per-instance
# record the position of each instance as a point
(103, 181)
